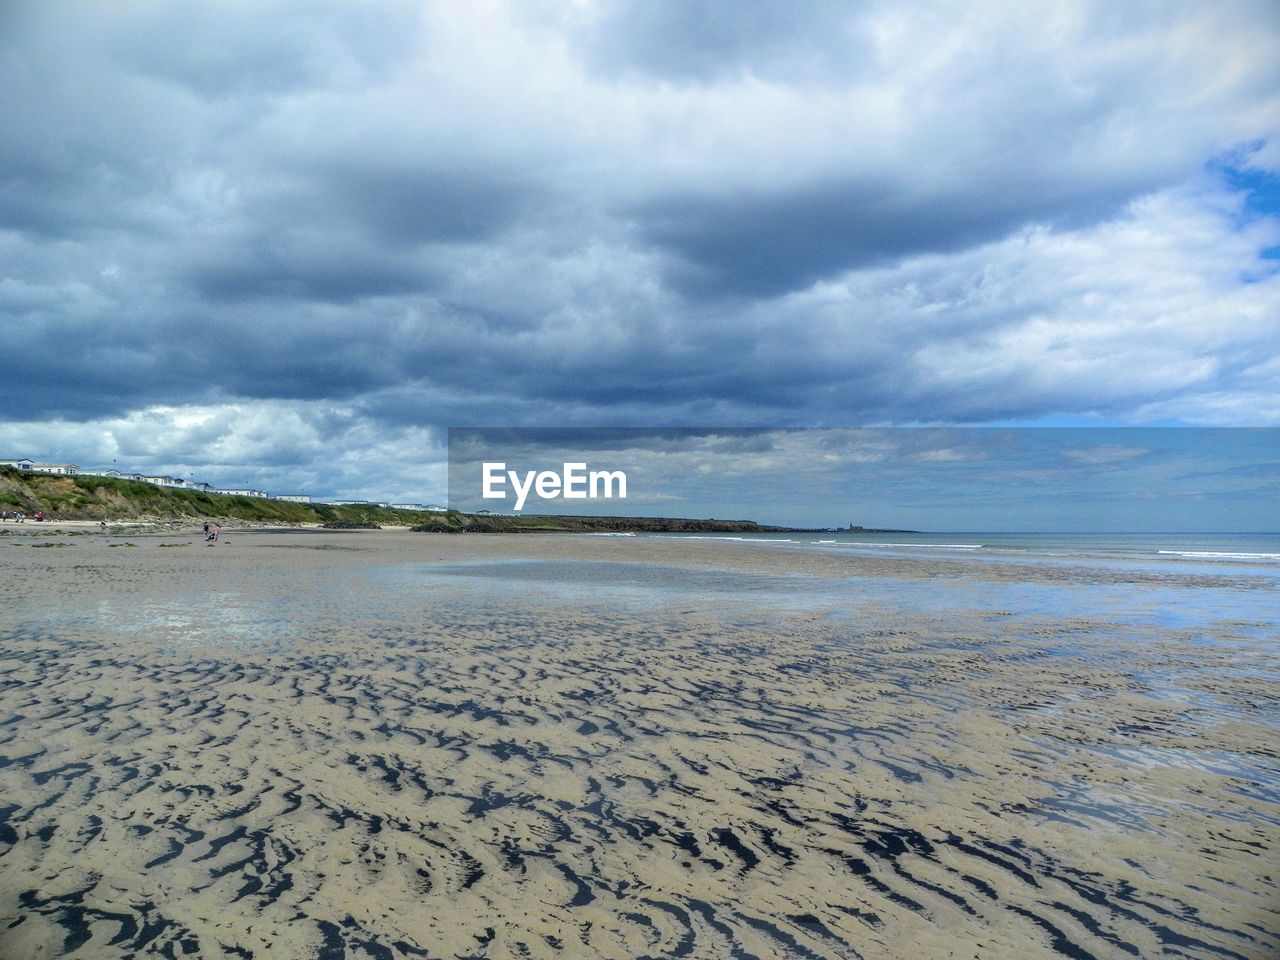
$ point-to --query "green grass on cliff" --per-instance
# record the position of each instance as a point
(107, 498)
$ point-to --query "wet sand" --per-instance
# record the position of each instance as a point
(401, 745)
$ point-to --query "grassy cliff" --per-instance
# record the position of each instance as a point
(103, 498)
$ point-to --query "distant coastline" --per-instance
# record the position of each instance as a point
(455, 522)
(95, 498)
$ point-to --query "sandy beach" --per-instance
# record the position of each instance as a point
(388, 744)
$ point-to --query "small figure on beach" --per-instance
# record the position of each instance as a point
(217, 529)
(206, 530)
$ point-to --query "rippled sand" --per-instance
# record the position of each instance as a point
(342, 745)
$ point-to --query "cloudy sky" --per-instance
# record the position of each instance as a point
(1072, 479)
(288, 243)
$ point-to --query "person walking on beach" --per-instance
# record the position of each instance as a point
(217, 529)
(206, 529)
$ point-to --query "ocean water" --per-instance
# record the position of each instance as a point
(1130, 548)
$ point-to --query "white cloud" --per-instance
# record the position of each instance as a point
(1104, 454)
(950, 455)
(283, 447)
(1146, 309)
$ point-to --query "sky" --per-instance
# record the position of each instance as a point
(990, 479)
(288, 244)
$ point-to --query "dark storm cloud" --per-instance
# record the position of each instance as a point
(765, 244)
(427, 205)
(636, 212)
(304, 268)
(355, 230)
(472, 441)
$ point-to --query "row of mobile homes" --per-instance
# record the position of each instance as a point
(30, 466)
(163, 480)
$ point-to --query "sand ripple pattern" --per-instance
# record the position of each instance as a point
(520, 778)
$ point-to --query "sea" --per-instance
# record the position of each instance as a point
(1142, 549)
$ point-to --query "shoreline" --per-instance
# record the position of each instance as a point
(728, 553)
